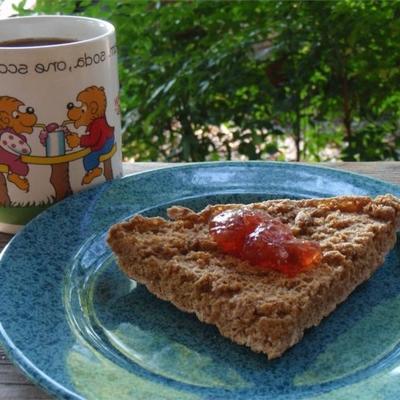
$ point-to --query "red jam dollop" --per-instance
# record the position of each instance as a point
(265, 242)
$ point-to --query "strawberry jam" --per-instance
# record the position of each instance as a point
(263, 241)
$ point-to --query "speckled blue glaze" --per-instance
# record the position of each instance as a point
(79, 328)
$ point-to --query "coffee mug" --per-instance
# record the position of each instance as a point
(60, 129)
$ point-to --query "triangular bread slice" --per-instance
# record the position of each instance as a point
(178, 261)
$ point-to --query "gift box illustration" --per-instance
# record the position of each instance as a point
(53, 138)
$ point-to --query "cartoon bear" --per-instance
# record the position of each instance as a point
(91, 112)
(16, 119)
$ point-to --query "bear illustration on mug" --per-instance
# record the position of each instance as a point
(16, 120)
(90, 112)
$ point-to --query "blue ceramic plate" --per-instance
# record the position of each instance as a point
(79, 328)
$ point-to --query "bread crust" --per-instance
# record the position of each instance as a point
(179, 262)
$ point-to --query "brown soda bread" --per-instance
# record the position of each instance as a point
(179, 262)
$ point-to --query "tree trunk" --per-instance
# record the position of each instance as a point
(189, 140)
(346, 108)
(108, 172)
(297, 128)
(60, 180)
(4, 197)
(346, 95)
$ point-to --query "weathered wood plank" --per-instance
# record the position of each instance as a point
(4, 239)
(388, 171)
(22, 392)
(14, 385)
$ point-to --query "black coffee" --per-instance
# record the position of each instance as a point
(35, 42)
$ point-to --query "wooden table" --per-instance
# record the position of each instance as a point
(14, 386)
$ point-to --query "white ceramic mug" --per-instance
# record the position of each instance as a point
(60, 128)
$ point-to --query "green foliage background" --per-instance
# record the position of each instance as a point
(209, 80)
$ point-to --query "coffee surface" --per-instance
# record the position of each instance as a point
(35, 42)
